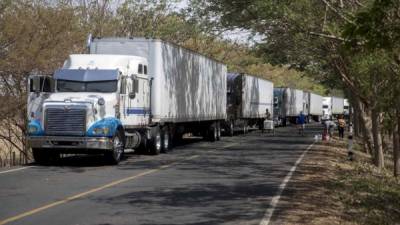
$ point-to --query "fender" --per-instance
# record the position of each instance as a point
(35, 128)
(106, 127)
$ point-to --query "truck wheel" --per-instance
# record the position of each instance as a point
(166, 140)
(156, 141)
(218, 131)
(114, 157)
(213, 133)
(41, 156)
(231, 127)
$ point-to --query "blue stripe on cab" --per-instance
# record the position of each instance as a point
(138, 111)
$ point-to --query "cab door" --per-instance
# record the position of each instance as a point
(135, 101)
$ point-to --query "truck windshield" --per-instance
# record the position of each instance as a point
(93, 86)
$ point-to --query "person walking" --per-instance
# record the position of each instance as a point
(341, 126)
(301, 121)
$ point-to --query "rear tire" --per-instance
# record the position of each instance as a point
(114, 157)
(218, 131)
(166, 140)
(231, 129)
(156, 141)
(213, 133)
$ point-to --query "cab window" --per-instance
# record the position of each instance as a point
(41, 84)
(140, 69)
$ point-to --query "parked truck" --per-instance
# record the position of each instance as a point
(127, 93)
(249, 102)
(346, 108)
(327, 108)
(332, 106)
(314, 110)
(288, 103)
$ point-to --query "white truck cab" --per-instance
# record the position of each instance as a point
(94, 97)
(327, 108)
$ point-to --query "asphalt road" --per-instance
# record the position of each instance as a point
(234, 181)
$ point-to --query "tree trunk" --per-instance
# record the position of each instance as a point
(365, 125)
(396, 145)
(355, 117)
(377, 139)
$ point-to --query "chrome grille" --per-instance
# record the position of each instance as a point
(65, 121)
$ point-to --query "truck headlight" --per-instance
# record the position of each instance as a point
(101, 131)
(32, 129)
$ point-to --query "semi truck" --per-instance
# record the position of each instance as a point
(327, 108)
(134, 93)
(346, 108)
(249, 102)
(332, 106)
(288, 103)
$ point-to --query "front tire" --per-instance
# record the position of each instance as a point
(114, 157)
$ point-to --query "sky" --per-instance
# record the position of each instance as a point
(240, 36)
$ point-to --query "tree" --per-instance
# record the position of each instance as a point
(308, 36)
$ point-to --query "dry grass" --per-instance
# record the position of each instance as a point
(329, 189)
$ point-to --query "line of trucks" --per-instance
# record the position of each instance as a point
(145, 94)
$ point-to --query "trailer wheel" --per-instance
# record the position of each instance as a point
(231, 127)
(245, 128)
(114, 157)
(213, 132)
(166, 140)
(218, 131)
(156, 141)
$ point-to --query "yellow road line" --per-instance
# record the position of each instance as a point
(80, 195)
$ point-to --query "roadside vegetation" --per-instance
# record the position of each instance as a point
(329, 189)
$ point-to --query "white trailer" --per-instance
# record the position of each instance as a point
(288, 103)
(128, 93)
(337, 105)
(249, 102)
(315, 106)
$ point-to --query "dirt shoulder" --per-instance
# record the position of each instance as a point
(327, 188)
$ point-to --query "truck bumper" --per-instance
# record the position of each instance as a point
(65, 142)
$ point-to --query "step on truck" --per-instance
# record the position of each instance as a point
(249, 102)
(134, 93)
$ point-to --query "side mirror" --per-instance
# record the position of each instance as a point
(132, 95)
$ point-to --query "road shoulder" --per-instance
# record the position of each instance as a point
(329, 189)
